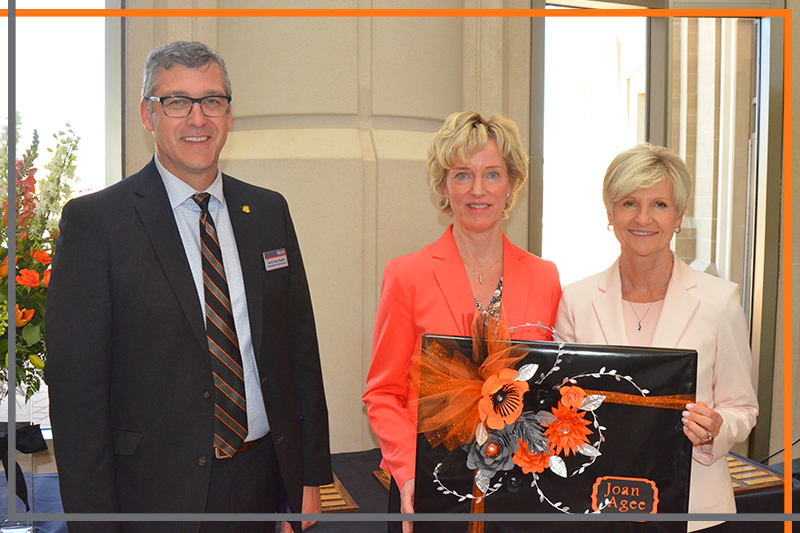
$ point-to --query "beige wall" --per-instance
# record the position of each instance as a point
(337, 114)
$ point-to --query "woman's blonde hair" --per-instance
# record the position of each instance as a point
(463, 135)
(645, 166)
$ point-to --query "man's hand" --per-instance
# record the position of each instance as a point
(312, 504)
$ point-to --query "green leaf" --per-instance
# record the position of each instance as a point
(32, 334)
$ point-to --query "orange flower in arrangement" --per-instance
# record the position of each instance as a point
(46, 277)
(531, 462)
(23, 316)
(568, 431)
(501, 399)
(572, 396)
(41, 256)
(4, 268)
(29, 278)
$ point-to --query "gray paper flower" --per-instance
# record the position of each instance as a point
(496, 453)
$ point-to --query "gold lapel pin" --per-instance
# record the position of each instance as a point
(246, 208)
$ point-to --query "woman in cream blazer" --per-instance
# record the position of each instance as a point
(650, 297)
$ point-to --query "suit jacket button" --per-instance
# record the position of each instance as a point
(207, 394)
(202, 460)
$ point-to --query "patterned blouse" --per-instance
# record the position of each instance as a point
(494, 303)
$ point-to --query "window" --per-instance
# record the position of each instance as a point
(594, 107)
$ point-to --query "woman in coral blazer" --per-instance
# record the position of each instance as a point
(649, 297)
(477, 166)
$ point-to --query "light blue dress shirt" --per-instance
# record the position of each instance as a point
(187, 217)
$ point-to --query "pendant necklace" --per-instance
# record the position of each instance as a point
(657, 298)
(480, 275)
(643, 316)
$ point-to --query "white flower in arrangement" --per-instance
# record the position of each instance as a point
(40, 196)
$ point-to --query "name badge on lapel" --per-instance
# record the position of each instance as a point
(275, 259)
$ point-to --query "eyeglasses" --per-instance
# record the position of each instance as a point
(181, 106)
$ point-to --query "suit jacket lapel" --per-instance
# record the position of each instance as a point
(248, 244)
(452, 280)
(155, 212)
(679, 306)
(516, 284)
(608, 306)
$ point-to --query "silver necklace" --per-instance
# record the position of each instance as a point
(643, 316)
(658, 296)
(480, 275)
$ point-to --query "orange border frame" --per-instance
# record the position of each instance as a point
(786, 14)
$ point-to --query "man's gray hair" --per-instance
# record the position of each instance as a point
(189, 54)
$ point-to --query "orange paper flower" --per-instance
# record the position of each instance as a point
(501, 399)
(572, 396)
(568, 432)
(41, 256)
(46, 277)
(29, 278)
(23, 316)
(4, 268)
(531, 462)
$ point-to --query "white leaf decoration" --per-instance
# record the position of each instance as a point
(612, 371)
(482, 480)
(557, 466)
(602, 370)
(645, 391)
(546, 417)
(592, 402)
(481, 434)
(526, 372)
(589, 451)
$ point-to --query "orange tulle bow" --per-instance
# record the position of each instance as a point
(450, 384)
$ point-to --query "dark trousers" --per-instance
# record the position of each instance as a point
(246, 483)
(394, 507)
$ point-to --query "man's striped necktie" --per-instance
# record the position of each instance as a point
(231, 408)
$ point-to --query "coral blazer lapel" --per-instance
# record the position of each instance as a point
(679, 306)
(155, 212)
(516, 284)
(452, 280)
(607, 306)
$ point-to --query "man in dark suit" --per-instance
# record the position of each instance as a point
(137, 371)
